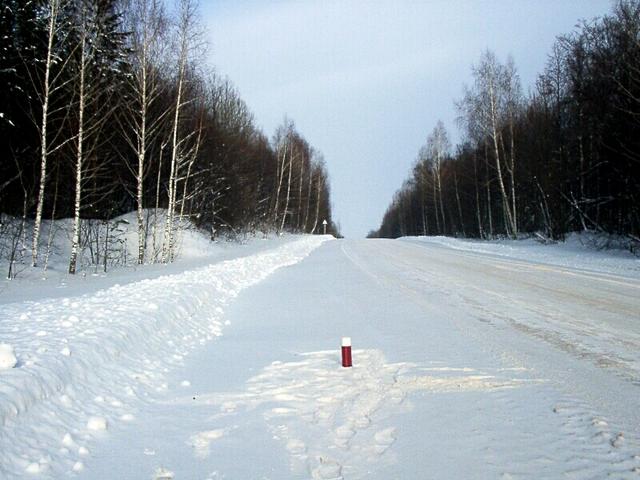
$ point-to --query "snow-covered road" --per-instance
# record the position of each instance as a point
(466, 365)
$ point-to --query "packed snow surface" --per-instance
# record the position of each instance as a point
(480, 362)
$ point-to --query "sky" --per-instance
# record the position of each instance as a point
(365, 81)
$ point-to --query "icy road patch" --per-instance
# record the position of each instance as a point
(83, 364)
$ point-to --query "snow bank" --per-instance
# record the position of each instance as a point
(124, 340)
(578, 251)
(192, 245)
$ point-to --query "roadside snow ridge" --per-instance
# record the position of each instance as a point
(88, 362)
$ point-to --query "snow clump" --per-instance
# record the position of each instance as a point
(7, 357)
(97, 423)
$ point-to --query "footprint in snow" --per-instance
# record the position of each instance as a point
(296, 447)
(386, 436)
(328, 469)
(344, 434)
(618, 441)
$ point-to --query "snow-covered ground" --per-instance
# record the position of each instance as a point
(193, 250)
(74, 364)
(468, 363)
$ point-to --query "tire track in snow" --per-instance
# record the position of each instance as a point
(410, 271)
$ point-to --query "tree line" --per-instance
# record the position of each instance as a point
(565, 157)
(107, 107)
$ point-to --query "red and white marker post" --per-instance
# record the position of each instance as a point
(346, 351)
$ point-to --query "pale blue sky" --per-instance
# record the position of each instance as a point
(366, 81)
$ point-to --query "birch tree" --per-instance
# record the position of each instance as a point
(512, 105)
(309, 190)
(53, 10)
(320, 179)
(86, 52)
(186, 36)
(99, 55)
(147, 24)
(438, 147)
(282, 144)
(285, 212)
(485, 101)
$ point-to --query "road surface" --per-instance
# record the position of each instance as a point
(465, 366)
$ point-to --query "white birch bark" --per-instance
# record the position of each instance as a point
(455, 181)
(142, 135)
(75, 240)
(437, 147)
(308, 203)
(491, 79)
(286, 204)
(280, 176)
(184, 27)
(439, 178)
(53, 16)
(477, 192)
(318, 192)
(51, 225)
(435, 204)
(300, 182)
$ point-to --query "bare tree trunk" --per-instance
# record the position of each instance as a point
(582, 174)
(308, 204)
(141, 164)
(455, 181)
(488, 184)
(286, 204)
(318, 191)
(17, 235)
(510, 169)
(475, 181)
(154, 227)
(280, 175)
(194, 157)
(439, 177)
(146, 32)
(16, 239)
(512, 93)
(544, 208)
(435, 206)
(168, 243)
(512, 175)
(75, 240)
(423, 200)
(105, 256)
(299, 212)
(494, 135)
(53, 15)
(51, 226)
